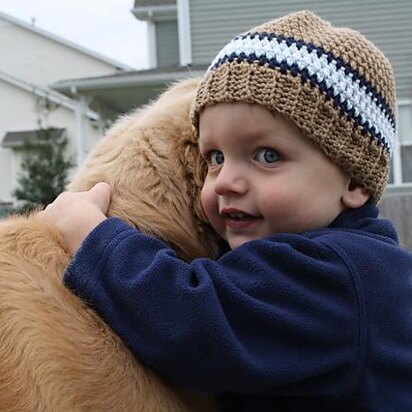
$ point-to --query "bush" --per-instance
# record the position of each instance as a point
(44, 169)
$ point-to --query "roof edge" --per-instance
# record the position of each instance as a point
(15, 139)
(156, 13)
(46, 93)
(68, 43)
(71, 87)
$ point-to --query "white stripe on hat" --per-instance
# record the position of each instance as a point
(349, 93)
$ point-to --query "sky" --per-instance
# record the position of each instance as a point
(105, 26)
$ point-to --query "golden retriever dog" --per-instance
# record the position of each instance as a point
(56, 354)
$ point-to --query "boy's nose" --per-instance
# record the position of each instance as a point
(230, 180)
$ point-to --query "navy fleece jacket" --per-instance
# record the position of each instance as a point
(317, 320)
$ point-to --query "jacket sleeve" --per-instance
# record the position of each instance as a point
(274, 316)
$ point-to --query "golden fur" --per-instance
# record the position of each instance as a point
(56, 354)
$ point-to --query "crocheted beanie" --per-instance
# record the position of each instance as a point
(333, 83)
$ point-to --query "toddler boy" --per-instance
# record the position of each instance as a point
(311, 308)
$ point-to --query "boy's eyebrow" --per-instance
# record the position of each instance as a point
(201, 145)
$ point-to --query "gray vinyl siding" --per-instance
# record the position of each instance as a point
(167, 43)
(386, 23)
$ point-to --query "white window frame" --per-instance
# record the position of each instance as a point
(397, 159)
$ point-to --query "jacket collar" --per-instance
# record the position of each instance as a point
(365, 218)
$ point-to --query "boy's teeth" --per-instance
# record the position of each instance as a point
(238, 215)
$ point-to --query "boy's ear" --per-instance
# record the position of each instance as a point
(354, 195)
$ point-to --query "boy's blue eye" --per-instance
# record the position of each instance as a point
(216, 158)
(268, 156)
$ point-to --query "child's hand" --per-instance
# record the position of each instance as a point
(76, 214)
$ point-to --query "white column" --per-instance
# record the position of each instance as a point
(397, 163)
(397, 158)
(152, 44)
(81, 108)
(13, 173)
(185, 38)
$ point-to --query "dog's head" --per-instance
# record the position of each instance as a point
(151, 160)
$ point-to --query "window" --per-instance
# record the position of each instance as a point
(401, 170)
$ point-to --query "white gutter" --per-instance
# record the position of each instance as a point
(155, 13)
(185, 37)
(125, 80)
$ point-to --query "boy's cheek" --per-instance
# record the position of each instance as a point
(206, 200)
(209, 200)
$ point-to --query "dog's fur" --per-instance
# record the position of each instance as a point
(55, 352)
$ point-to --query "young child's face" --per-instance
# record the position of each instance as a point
(264, 177)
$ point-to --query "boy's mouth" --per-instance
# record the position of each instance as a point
(237, 218)
(235, 214)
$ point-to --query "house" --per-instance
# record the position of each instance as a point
(168, 62)
(33, 58)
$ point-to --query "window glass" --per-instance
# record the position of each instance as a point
(405, 124)
(406, 155)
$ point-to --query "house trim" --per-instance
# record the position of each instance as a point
(128, 79)
(152, 44)
(403, 189)
(156, 13)
(16, 139)
(185, 38)
(45, 93)
(64, 42)
(79, 107)
(399, 187)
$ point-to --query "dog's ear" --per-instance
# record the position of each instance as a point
(195, 170)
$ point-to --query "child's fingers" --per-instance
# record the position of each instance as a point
(99, 194)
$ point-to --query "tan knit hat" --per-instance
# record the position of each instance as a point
(334, 84)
